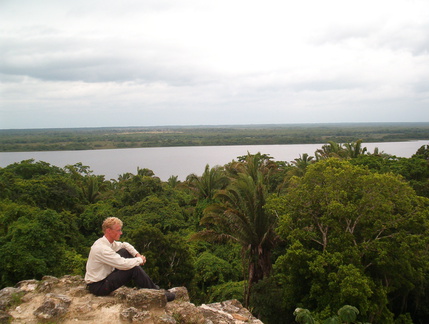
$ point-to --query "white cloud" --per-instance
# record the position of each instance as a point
(205, 62)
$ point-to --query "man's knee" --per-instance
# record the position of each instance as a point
(124, 253)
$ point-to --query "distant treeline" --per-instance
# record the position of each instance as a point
(19, 140)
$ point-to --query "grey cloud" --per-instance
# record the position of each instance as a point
(411, 37)
(52, 56)
(141, 62)
(327, 85)
(340, 34)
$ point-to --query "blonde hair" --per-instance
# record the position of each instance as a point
(109, 222)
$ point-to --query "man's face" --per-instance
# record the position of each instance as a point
(115, 232)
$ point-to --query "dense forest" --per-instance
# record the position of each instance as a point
(342, 227)
(20, 140)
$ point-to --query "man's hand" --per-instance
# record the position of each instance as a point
(138, 255)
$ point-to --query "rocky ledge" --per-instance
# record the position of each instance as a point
(66, 300)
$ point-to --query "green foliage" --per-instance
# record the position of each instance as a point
(173, 181)
(169, 258)
(422, 152)
(33, 247)
(238, 215)
(39, 184)
(345, 151)
(346, 314)
(303, 316)
(206, 186)
(92, 217)
(404, 319)
(73, 263)
(227, 291)
(355, 237)
(414, 169)
(161, 212)
(266, 301)
(137, 187)
(211, 270)
(29, 169)
(317, 234)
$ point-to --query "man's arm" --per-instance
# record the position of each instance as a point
(113, 259)
(131, 249)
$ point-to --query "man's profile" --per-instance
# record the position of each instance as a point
(112, 264)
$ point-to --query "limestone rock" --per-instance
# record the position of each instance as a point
(27, 285)
(142, 298)
(66, 300)
(53, 307)
(185, 312)
(181, 293)
(132, 314)
(7, 296)
(228, 312)
(5, 317)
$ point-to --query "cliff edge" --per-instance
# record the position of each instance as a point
(66, 300)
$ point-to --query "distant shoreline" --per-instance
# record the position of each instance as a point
(282, 125)
(96, 138)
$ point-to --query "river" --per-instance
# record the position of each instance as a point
(182, 161)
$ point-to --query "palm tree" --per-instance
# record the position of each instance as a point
(252, 164)
(206, 185)
(354, 149)
(173, 181)
(239, 216)
(125, 176)
(332, 149)
(91, 188)
(90, 185)
(145, 172)
(302, 163)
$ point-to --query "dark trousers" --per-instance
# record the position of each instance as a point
(118, 278)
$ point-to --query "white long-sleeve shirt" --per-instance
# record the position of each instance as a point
(103, 259)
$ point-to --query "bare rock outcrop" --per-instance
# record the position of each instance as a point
(66, 300)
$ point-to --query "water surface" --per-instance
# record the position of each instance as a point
(182, 161)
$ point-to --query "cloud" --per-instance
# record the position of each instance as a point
(229, 62)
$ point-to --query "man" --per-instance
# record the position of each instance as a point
(112, 264)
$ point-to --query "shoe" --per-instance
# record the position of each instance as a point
(170, 296)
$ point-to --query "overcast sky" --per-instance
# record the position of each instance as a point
(87, 63)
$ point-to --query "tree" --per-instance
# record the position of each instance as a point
(345, 151)
(346, 314)
(239, 216)
(156, 210)
(301, 164)
(170, 261)
(133, 188)
(206, 185)
(423, 152)
(354, 149)
(258, 165)
(33, 246)
(91, 186)
(39, 184)
(173, 181)
(414, 169)
(210, 270)
(204, 188)
(329, 150)
(355, 237)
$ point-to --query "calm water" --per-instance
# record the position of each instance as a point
(182, 161)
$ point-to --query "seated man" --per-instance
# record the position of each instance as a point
(112, 264)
